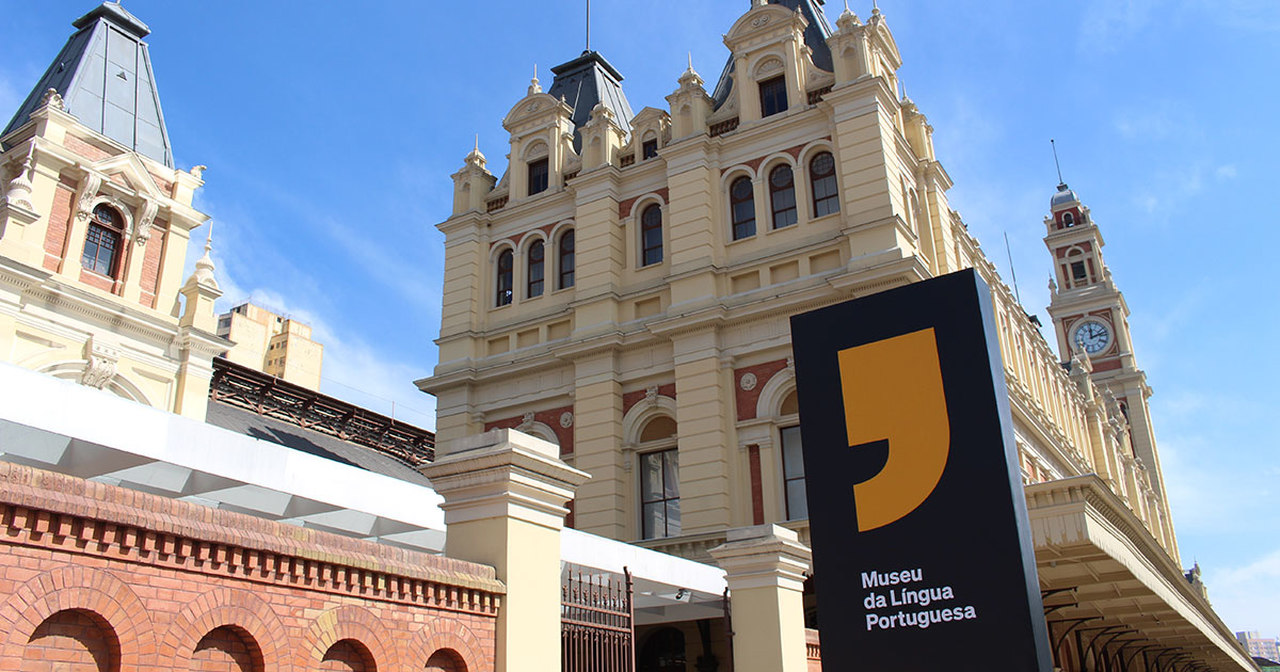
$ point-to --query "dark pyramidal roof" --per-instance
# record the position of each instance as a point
(104, 77)
(585, 82)
(815, 37)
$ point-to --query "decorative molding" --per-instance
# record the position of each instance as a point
(566, 419)
(88, 192)
(748, 381)
(53, 99)
(100, 366)
(149, 210)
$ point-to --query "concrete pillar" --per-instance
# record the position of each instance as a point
(505, 495)
(764, 567)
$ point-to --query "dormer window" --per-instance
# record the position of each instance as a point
(773, 96)
(102, 242)
(539, 172)
(649, 149)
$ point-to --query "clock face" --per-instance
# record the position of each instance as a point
(1093, 336)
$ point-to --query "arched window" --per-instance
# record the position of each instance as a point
(782, 196)
(1068, 219)
(742, 205)
(537, 257)
(506, 266)
(566, 259)
(102, 243)
(651, 236)
(822, 177)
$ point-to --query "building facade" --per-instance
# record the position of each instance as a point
(1259, 646)
(624, 290)
(276, 345)
(94, 228)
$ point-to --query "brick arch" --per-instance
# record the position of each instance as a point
(241, 609)
(350, 622)
(444, 633)
(95, 591)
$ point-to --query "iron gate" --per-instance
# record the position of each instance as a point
(597, 622)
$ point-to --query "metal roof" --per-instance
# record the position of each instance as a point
(104, 77)
(815, 37)
(583, 83)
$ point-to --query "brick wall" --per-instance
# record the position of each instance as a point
(152, 260)
(95, 577)
(55, 241)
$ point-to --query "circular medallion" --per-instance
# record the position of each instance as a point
(566, 419)
(748, 382)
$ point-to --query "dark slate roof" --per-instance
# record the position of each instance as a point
(104, 77)
(815, 36)
(586, 81)
(244, 421)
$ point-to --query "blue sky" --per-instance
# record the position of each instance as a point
(331, 128)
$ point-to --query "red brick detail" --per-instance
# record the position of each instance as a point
(463, 649)
(550, 418)
(747, 399)
(152, 261)
(1076, 215)
(99, 594)
(1084, 245)
(165, 186)
(630, 399)
(624, 208)
(162, 575)
(351, 624)
(88, 151)
(55, 238)
(258, 625)
(347, 655)
(757, 485)
(754, 164)
(72, 641)
(225, 649)
(515, 240)
(1106, 365)
(97, 281)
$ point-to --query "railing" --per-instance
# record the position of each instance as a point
(723, 127)
(628, 159)
(813, 649)
(816, 95)
(597, 622)
(496, 204)
(266, 395)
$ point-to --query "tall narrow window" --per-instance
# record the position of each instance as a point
(102, 242)
(506, 267)
(566, 259)
(537, 259)
(651, 236)
(660, 494)
(649, 149)
(1068, 219)
(538, 174)
(773, 96)
(782, 196)
(793, 474)
(742, 205)
(822, 175)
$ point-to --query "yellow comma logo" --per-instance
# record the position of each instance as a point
(893, 391)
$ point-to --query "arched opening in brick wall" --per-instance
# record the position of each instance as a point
(72, 640)
(446, 660)
(227, 649)
(348, 655)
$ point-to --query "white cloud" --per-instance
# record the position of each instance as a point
(1245, 595)
(1227, 172)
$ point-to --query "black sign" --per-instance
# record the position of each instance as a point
(921, 546)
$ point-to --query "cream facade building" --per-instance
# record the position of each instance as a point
(624, 290)
(94, 228)
(274, 344)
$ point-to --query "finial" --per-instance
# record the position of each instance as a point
(534, 86)
(477, 142)
(588, 25)
(690, 61)
(1054, 145)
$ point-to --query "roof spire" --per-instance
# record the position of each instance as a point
(588, 25)
(534, 85)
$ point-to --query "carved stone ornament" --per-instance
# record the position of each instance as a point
(88, 192)
(748, 382)
(760, 21)
(198, 172)
(566, 419)
(19, 192)
(651, 395)
(145, 222)
(525, 422)
(533, 107)
(100, 367)
(53, 99)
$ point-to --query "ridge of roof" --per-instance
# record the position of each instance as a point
(104, 76)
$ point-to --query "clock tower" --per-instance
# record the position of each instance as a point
(1091, 321)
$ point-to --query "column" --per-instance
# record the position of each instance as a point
(764, 567)
(504, 495)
